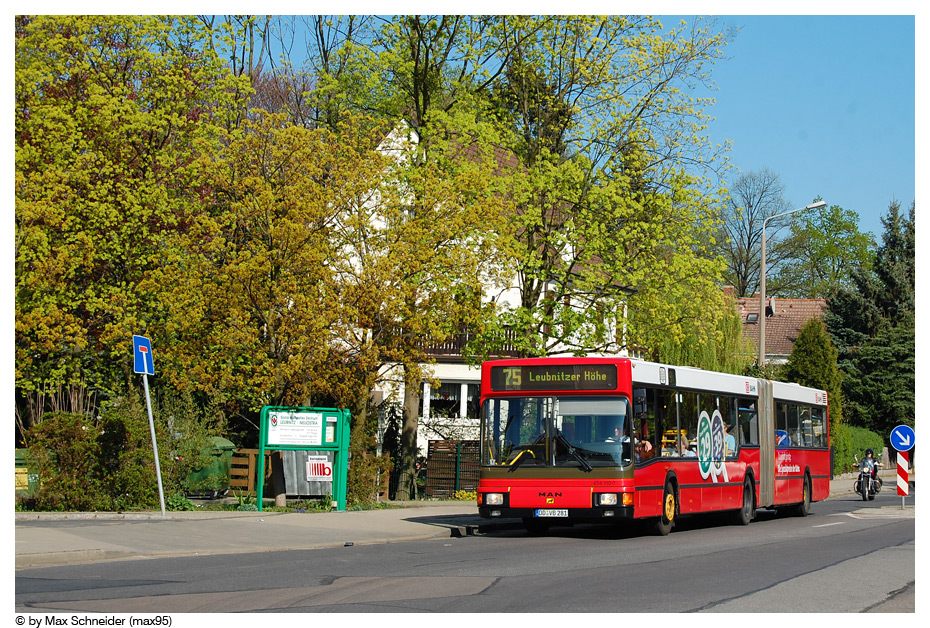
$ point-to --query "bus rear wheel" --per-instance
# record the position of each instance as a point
(666, 520)
(804, 508)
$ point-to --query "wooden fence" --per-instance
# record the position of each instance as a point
(243, 469)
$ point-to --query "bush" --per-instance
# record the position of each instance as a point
(93, 464)
(64, 449)
(179, 502)
(106, 463)
(849, 440)
(365, 472)
(126, 459)
(187, 439)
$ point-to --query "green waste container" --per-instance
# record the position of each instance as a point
(27, 479)
(212, 480)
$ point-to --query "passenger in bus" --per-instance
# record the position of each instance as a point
(729, 439)
(644, 450)
(684, 449)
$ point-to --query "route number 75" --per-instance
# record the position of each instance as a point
(512, 377)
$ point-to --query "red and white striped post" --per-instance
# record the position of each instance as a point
(903, 483)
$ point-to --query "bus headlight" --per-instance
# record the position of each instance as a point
(607, 499)
(493, 499)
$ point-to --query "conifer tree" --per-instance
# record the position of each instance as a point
(813, 362)
(872, 325)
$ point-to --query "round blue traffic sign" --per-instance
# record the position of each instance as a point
(902, 438)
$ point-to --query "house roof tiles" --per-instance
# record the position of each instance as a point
(783, 327)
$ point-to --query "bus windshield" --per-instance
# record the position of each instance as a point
(578, 432)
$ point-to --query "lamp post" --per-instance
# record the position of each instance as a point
(765, 223)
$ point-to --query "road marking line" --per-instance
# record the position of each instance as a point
(824, 525)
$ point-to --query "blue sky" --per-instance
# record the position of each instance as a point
(825, 102)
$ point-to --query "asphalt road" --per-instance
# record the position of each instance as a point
(777, 564)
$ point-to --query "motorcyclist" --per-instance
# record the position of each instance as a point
(873, 466)
(870, 456)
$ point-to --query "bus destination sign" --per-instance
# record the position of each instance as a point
(555, 377)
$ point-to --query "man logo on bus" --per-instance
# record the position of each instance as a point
(710, 446)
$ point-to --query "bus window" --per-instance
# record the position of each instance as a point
(724, 405)
(667, 424)
(794, 428)
(598, 428)
(648, 424)
(782, 437)
(517, 428)
(688, 411)
(819, 438)
(807, 427)
(748, 420)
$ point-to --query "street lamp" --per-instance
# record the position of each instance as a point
(765, 223)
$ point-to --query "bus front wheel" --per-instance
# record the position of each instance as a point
(745, 514)
(669, 506)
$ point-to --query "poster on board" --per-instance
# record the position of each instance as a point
(291, 428)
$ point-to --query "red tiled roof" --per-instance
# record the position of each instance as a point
(781, 329)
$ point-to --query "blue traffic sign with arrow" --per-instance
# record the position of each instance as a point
(142, 355)
(902, 438)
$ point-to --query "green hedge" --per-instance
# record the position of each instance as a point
(89, 464)
(848, 440)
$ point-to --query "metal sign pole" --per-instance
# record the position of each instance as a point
(260, 480)
(144, 364)
(148, 406)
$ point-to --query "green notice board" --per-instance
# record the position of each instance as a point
(307, 429)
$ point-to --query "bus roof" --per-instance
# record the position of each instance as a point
(687, 377)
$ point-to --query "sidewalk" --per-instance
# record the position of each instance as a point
(108, 536)
(91, 537)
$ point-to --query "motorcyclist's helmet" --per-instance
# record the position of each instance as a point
(869, 452)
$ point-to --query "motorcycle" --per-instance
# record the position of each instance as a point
(868, 484)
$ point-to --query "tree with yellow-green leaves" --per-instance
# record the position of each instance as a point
(616, 187)
(317, 261)
(415, 253)
(447, 194)
(246, 287)
(112, 114)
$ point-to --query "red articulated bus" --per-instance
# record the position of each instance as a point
(567, 440)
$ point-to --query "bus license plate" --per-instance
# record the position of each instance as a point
(551, 512)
